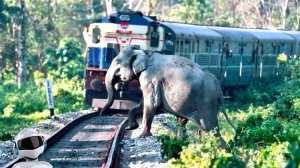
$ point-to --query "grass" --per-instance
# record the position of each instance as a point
(14, 123)
(10, 126)
(22, 108)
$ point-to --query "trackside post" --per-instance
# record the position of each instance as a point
(50, 96)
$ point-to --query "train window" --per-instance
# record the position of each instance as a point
(227, 50)
(177, 46)
(112, 51)
(136, 47)
(181, 47)
(207, 46)
(262, 49)
(198, 46)
(242, 46)
(274, 48)
(96, 35)
(187, 46)
(192, 49)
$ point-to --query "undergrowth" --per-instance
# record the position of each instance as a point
(267, 116)
(20, 108)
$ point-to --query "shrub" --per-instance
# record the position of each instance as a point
(294, 154)
(272, 156)
(258, 131)
(227, 162)
(206, 153)
(287, 103)
(259, 93)
(171, 147)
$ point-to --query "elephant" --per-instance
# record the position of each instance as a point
(168, 83)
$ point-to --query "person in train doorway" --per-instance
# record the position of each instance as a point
(168, 44)
(154, 41)
(29, 145)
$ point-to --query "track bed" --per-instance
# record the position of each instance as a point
(86, 145)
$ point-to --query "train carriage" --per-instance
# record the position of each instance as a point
(296, 36)
(200, 44)
(237, 52)
(271, 44)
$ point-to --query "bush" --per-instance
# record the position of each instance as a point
(258, 131)
(294, 154)
(171, 147)
(288, 102)
(259, 93)
(28, 101)
(272, 156)
(227, 162)
(206, 153)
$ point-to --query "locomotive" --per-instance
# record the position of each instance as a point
(235, 56)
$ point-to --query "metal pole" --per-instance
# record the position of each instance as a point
(50, 96)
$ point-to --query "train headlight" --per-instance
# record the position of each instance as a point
(96, 84)
(125, 18)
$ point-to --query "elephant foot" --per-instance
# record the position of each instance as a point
(132, 126)
(145, 134)
(199, 132)
(222, 143)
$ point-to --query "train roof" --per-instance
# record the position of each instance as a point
(270, 35)
(294, 34)
(234, 34)
(134, 18)
(185, 31)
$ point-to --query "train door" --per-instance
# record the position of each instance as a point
(298, 50)
(230, 64)
(202, 58)
(247, 62)
(186, 49)
(268, 57)
(214, 52)
(192, 51)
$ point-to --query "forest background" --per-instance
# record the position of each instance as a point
(45, 36)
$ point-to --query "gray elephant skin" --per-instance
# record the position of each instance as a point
(169, 83)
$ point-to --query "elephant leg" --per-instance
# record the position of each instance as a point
(181, 132)
(152, 101)
(209, 122)
(137, 110)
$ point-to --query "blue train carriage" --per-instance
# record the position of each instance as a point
(197, 43)
(271, 43)
(225, 52)
(238, 58)
(296, 36)
(104, 39)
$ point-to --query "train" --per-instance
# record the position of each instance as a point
(236, 56)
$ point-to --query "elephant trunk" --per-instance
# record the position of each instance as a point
(110, 80)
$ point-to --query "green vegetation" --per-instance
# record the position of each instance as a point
(171, 146)
(20, 108)
(267, 132)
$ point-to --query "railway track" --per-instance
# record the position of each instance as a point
(88, 141)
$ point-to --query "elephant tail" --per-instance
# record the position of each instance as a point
(227, 118)
(225, 114)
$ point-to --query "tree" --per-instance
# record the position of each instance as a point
(108, 6)
(21, 49)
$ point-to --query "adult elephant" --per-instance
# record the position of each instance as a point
(170, 83)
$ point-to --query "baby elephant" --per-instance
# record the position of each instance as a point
(169, 83)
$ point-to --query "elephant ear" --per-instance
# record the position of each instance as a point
(139, 61)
